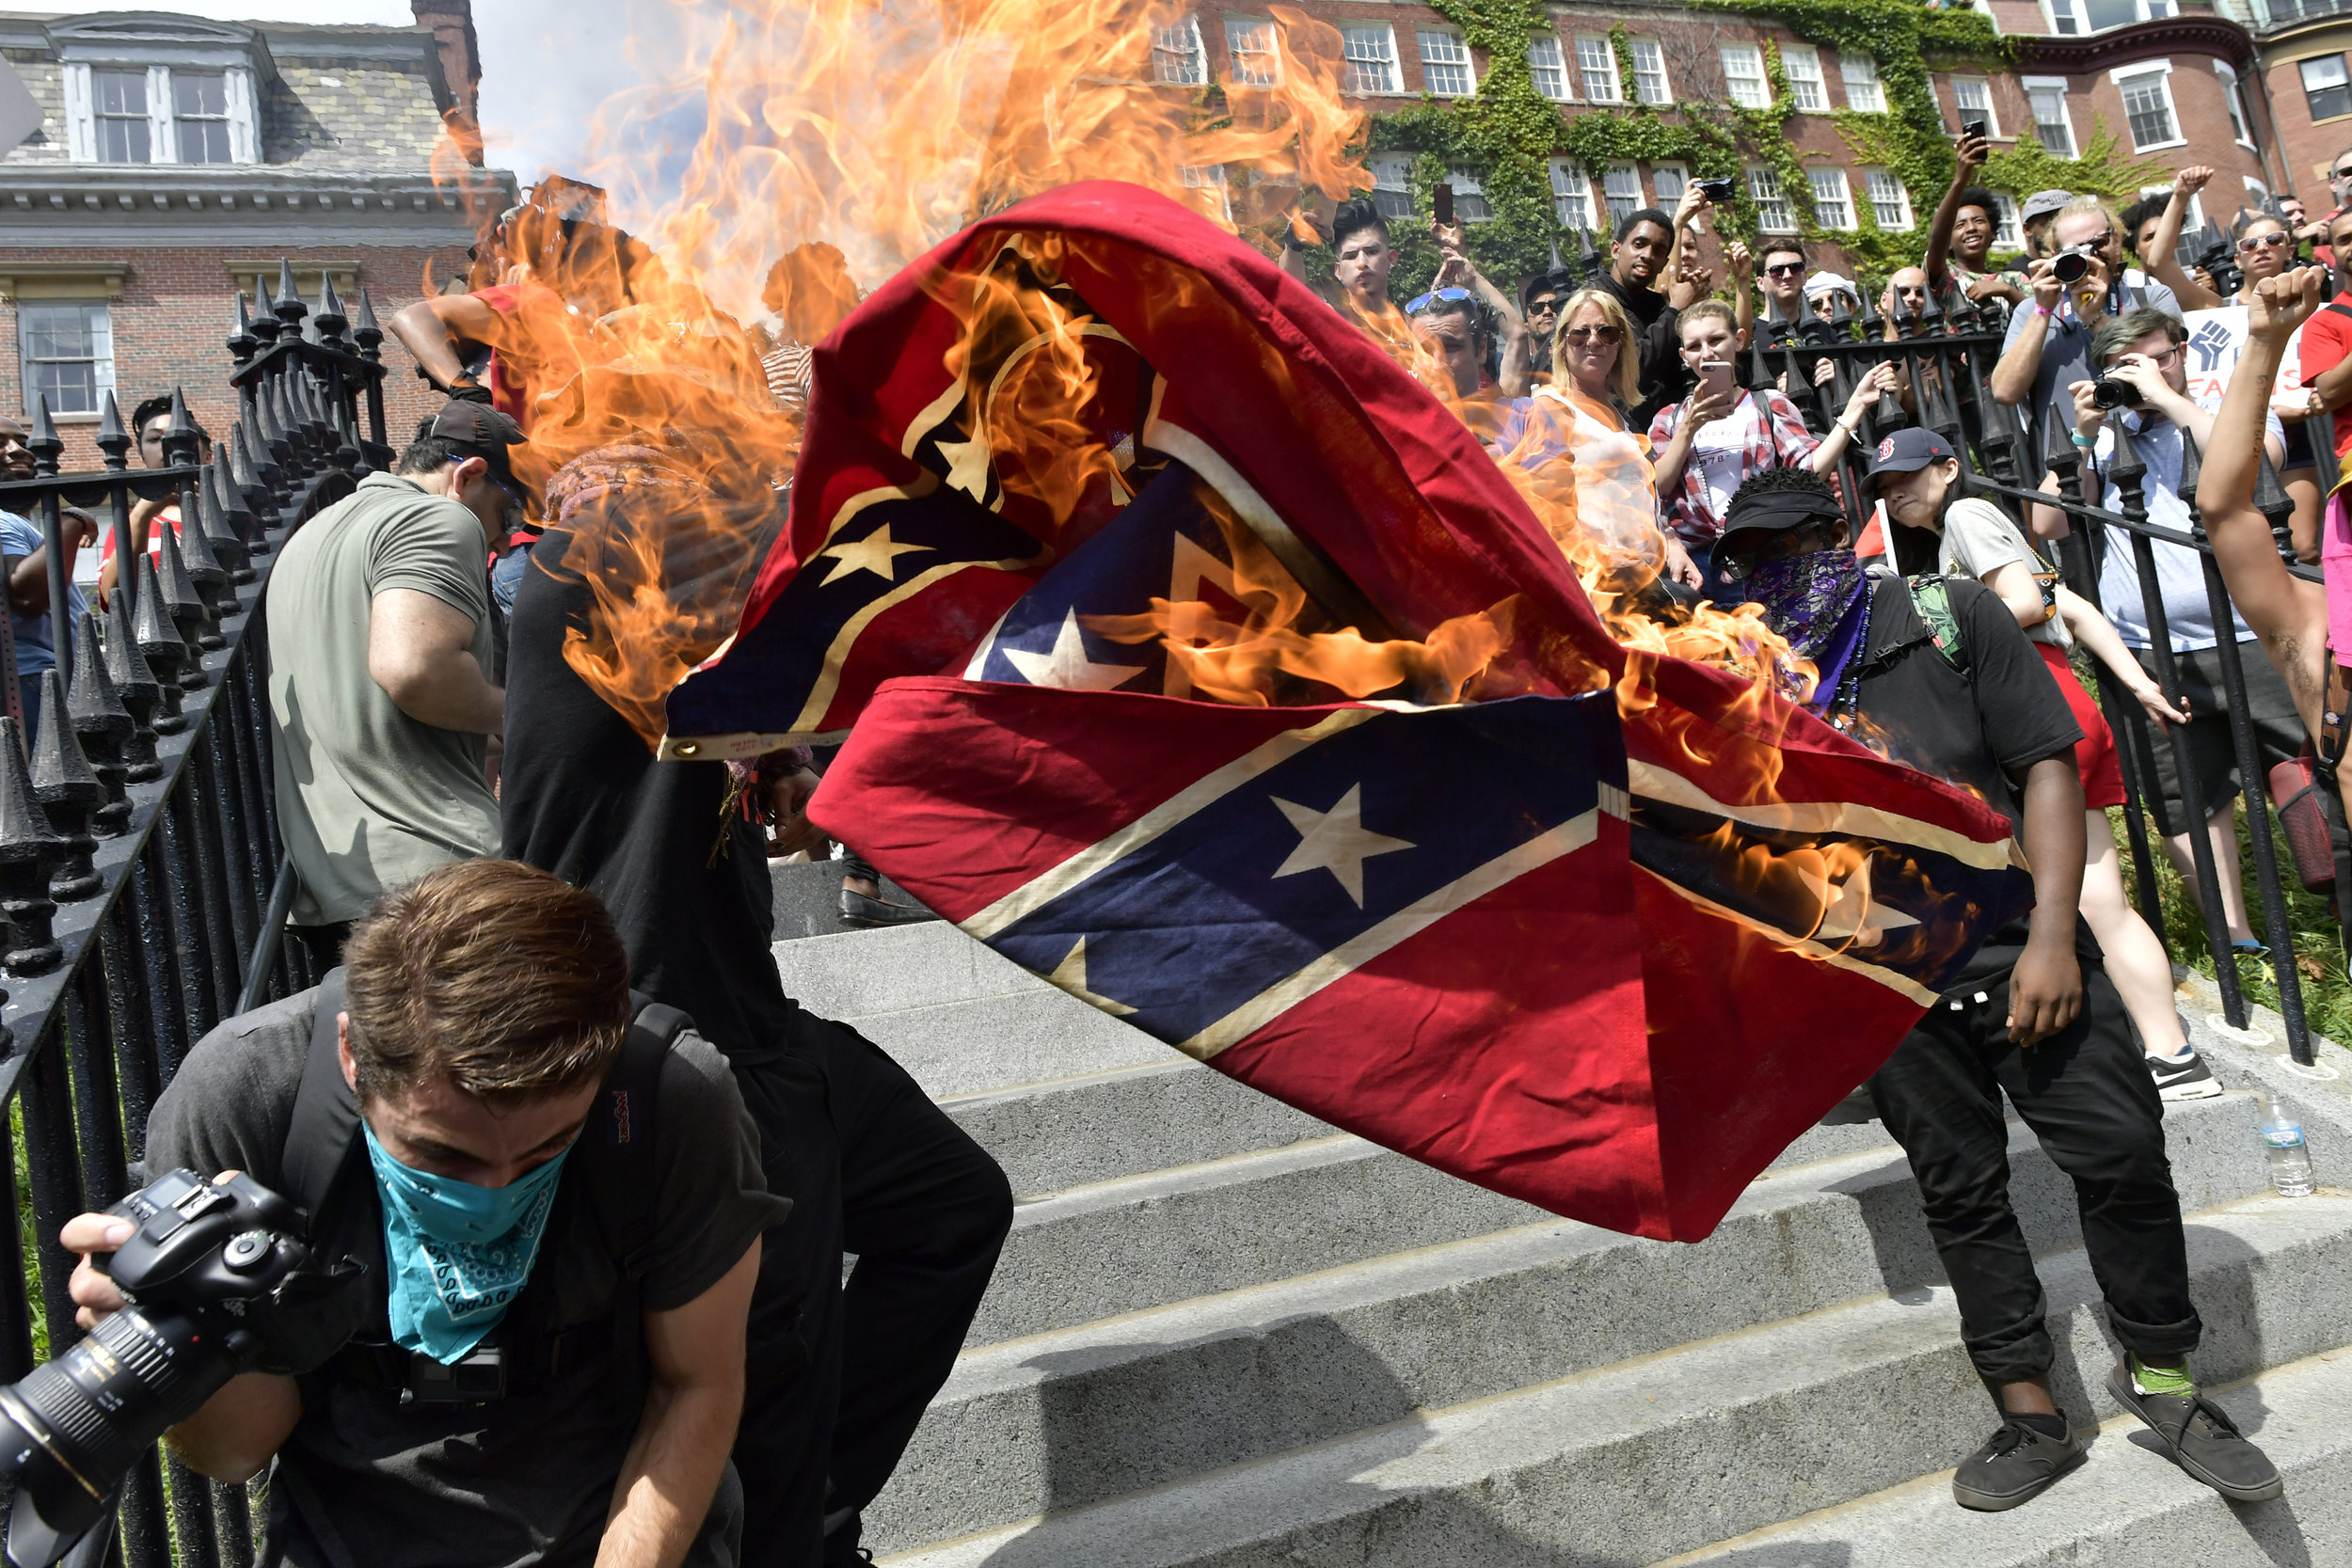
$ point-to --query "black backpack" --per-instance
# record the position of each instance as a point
(613, 1159)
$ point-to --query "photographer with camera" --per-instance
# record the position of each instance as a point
(1960, 237)
(558, 1202)
(2048, 347)
(2143, 384)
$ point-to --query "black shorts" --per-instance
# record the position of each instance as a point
(2298, 447)
(2211, 752)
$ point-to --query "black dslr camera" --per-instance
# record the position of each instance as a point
(219, 1283)
(2107, 392)
(2219, 260)
(2073, 264)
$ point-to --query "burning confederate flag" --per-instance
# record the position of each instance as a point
(1203, 662)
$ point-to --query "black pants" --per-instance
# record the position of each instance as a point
(2087, 1095)
(877, 1170)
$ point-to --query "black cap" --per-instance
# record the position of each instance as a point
(478, 430)
(1560, 280)
(1907, 452)
(1775, 512)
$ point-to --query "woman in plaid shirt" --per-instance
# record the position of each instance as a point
(1713, 440)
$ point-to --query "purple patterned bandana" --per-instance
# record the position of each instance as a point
(1819, 602)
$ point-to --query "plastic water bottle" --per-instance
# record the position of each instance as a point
(2289, 1158)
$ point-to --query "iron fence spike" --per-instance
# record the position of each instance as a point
(29, 846)
(68, 793)
(136, 684)
(101, 723)
(161, 646)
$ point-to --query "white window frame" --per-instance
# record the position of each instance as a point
(2191, 221)
(101, 362)
(1466, 185)
(1801, 64)
(1667, 182)
(1252, 39)
(1367, 47)
(1391, 183)
(1572, 195)
(1764, 192)
(163, 133)
(2033, 85)
(2123, 76)
(1866, 94)
(2241, 123)
(1596, 69)
(1832, 195)
(1547, 56)
(2071, 19)
(1621, 188)
(1650, 82)
(1450, 42)
(1758, 82)
(1210, 177)
(1876, 179)
(2344, 69)
(1962, 113)
(2009, 226)
(2260, 192)
(1179, 60)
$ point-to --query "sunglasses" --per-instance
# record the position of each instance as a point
(2345, 173)
(2252, 243)
(1543, 307)
(1591, 334)
(1424, 301)
(1786, 269)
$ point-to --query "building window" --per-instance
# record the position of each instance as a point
(2192, 220)
(1209, 178)
(1571, 196)
(2009, 233)
(2073, 18)
(1890, 203)
(2052, 126)
(1256, 61)
(69, 353)
(1597, 64)
(2239, 125)
(1973, 96)
(1445, 65)
(1649, 72)
(1177, 57)
(2257, 194)
(1547, 63)
(1469, 196)
(1833, 203)
(2327, 90)
(1864, 93)
(1744, 73)
(1669, 181)
(2147, 109)
(1392, 184)
(1802, 65)
(1372, 59)
(200, 113)
(1621, 185)
(1773, 214)
(118, 105)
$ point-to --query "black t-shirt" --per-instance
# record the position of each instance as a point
(582, 796)
(522, 1482)
(1657, 336)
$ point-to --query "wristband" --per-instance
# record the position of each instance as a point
(2041, 310)
(2086, 442)
(1853, 429)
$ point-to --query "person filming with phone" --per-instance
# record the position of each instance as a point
(1710, 442)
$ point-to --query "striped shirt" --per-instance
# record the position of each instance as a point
(789, 369)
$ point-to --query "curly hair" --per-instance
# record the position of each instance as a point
(1774, 482)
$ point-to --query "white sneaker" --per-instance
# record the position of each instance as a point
(2183, 1077)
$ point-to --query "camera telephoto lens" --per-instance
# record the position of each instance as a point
(2107, 392)
(2071, 266)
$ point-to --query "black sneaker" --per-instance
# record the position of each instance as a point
(2202, 1439)
(859, 910)
(2184, 1078)
(2016, 1465)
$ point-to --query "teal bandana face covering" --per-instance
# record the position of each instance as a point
(458, 1254)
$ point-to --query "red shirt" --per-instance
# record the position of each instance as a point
(517, 374)
(154, 539)
(2327, 338)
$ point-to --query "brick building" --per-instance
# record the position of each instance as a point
(177, 158)
(2304, 47)
(2170, 78)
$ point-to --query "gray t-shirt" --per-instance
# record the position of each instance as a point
(1979, 539)
(2066, 348)
(369, 798)
(524, 1482)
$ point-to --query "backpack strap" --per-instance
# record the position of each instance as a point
(2338, 307)
(1931, 596)
(322, 1137)
(2335, 708)
(623, 1190)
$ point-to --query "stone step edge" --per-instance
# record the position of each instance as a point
(2160, 1489)
(1471, 1418)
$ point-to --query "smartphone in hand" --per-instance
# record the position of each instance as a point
(1715, 375)
(1444, 203)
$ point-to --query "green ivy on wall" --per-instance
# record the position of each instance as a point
(1507, 134)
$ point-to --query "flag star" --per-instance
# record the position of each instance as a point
(1067, 666)
(1854, 914)
(1335, 840)
(967, 466)
(1070, 975)
(874, 554)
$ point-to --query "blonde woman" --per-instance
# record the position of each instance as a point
(1589, 463)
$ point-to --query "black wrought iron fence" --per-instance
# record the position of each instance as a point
(1946, 359)
(141, 872)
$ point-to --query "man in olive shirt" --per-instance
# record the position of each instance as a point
(380, 639)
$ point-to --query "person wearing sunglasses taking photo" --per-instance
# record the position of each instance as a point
(2048, 347)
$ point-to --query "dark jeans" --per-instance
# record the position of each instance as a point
(2088, 1097)
(877, 1170)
